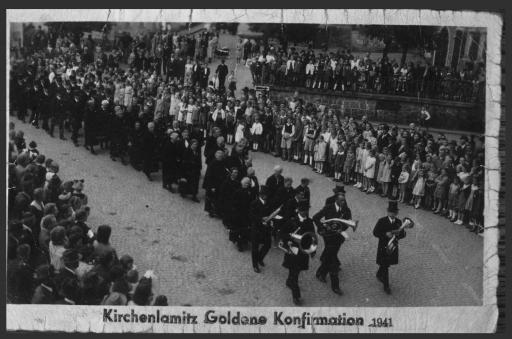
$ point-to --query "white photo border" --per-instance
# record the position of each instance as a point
(413, 319)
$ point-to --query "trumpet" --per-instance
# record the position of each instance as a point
(274, 215)
(306, 243)
(393, 241)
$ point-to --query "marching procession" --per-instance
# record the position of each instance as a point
(185, 125)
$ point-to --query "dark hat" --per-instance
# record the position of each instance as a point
(393, 206)
(339, 188)
(32, 144)
(264, 190)
(303, 206)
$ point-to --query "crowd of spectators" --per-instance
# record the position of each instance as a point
(54, 256)
(155, 121)
(343, 72)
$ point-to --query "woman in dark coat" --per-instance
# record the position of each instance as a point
(239, 233)
(227, 192)
(90, 116)
(191, 169)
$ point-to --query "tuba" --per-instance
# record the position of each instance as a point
(306, 243)
(393, 242)
(337, 225)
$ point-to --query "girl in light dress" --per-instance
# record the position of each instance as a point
(382, 160)
(419, 189)
(320, 149)
(369, 171)
(403, 179)
(240, 127)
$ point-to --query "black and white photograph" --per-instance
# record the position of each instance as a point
(252, 170)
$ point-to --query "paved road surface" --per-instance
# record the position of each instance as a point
(440, 263)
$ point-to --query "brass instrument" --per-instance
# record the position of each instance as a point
(337, 225)
(274, 215)
(393, 241)
(306, 243)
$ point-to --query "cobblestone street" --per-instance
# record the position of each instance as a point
(440, 262)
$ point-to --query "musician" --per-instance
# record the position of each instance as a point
(385, 228)
(299, 224)
(339, 188)
(259, 213)
(332, 241)
(290, 207)
(304, 187)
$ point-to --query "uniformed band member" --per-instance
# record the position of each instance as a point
(332, 241)
(260, 229)
(339, 188)
(385, 228)
(299, 224)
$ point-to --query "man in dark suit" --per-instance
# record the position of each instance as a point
(260, 230)
(58, 114)
(385, 229)
(205, 75)
(254, 184)
(299, 224)
(222, 72)
(332, 241)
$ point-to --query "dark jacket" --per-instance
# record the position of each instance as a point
(381, 228)
(300, 261)
(216, 173)
(333, 240)
(273, 183)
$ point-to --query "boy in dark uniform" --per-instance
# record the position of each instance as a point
(298, 224)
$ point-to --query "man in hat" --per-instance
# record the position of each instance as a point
(339, 188)
(296, 260)
(260, 229)
(385, 229)
(332, 241)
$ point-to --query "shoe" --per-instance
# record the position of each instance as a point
(113, 159)
(387, 290)
(62, 138)
(261, 263)
(297, 301)
(321, 278)
(194, 199)
(379, 278)
(337, 291)
(458, 222)
(256, 269)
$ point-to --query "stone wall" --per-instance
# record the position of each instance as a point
(391, 109)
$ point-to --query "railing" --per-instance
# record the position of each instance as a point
(442, 89)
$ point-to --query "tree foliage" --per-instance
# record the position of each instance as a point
(405, 37)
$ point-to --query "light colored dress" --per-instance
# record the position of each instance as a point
(369, 171)
(386, 171)
(419, 187)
